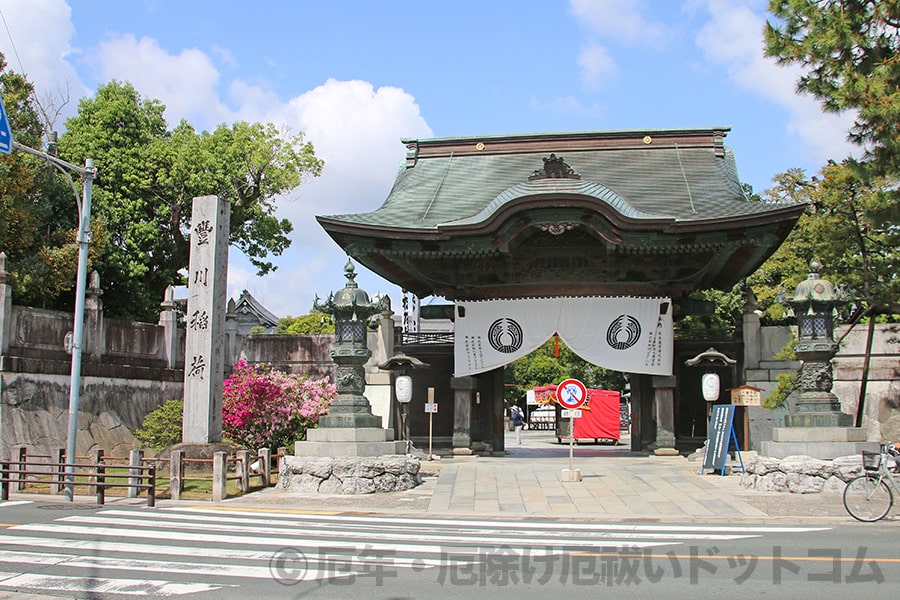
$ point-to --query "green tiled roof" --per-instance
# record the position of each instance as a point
(689, 183)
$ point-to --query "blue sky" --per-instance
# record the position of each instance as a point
(357, 76)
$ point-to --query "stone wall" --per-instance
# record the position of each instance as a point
(349, 475)
(128, 370)
(34, 411)
(800, 474)
(302, 354)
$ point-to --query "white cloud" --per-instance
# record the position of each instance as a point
(618, 19)
(733, 39)
(186, 82)
(36, 41)
(356, 129)
(597, 66)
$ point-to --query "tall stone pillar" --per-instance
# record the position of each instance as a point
(664, 400)
(5, 306)
(752, 333)
(205, 320)
(94, 335)
(464, 389)
(168, 320)
(231, 333)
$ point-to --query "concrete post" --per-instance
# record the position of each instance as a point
(4, 485)
(282, 452)
(59, 458)
(168, 320)
(220, 473)
(94, 334)
(6, 333)
(265, 466)
(99, 480)
(95, 458)
(243, 470)
(231, 332)
(176, 474)
(5, 307)
(21, 456)
(752, 335)
(135, 461)
(205, 319)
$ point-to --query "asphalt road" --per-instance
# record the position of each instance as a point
(206, 551)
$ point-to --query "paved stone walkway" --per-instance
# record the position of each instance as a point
(615, 484)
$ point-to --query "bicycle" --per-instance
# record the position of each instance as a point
(868, 497)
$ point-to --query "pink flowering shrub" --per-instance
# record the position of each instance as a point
(269, 409)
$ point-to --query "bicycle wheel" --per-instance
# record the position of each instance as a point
(867, 498)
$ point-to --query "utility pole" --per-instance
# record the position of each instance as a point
(87, 173)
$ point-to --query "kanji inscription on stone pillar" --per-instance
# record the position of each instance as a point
(204, 358)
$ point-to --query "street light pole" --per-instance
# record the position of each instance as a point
(88, 173)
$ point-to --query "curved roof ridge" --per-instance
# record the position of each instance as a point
(541, 187)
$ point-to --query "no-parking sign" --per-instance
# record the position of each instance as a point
(571, 394)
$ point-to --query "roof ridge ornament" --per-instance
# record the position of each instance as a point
(554, 168)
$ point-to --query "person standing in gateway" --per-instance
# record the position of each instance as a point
(518, 420)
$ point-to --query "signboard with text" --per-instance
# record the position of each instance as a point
(718, 436)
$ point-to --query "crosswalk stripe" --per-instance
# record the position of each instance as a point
(7, 503)
(305, 542)
(497, 536)
(94, 546)
(497, 524)
(234, 545)
(102, 585)
(181, 568)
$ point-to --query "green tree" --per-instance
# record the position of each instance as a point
(848, 226)
(38, 213)
(162, 427)
(543, 367)
(849, 51)
(149, 175)
(313, 323)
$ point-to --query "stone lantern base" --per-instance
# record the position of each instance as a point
(349, 441)
(824, 443)
(817, 428)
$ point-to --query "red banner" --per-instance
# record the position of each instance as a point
(600, 417)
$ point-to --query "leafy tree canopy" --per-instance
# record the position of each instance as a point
(849, 225)
(849, 53)
(38, 212)
(148, 176)
(849, 49)
(313, 323)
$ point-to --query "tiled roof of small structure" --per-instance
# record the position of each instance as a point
(246, 303)
(684, 174)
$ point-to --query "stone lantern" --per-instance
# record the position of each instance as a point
(815, 303)
(350, 308)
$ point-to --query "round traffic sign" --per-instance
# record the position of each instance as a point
(571, 393)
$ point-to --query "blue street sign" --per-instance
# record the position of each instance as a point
(6, 139)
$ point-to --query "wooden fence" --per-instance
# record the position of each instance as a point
(92, 472)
